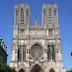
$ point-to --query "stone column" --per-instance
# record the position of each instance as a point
(21, 54)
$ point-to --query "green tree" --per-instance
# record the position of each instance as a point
(69, 70)
(6, 68)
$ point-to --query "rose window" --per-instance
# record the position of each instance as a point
(36, 51)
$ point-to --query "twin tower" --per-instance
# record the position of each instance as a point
(36, 48)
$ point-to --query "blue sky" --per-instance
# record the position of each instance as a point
(65, 22)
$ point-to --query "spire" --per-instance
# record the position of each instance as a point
(36, 24)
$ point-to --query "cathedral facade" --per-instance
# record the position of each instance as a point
(36, 48)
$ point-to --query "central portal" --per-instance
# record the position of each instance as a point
(21, 70)
(36, 68)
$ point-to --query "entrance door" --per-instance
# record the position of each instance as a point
(51, 70)
(21, 70)
(36, 68)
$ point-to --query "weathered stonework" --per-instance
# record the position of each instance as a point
(30, 45)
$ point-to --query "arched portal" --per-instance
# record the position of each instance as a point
(36, 68)
(51, 70)
(21, 70)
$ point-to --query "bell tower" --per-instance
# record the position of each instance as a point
(20, 33)
(50, 24)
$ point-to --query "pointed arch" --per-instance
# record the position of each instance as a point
(21, 70)
(36, 43)
(19, 55)
(51, 70)
(36, 68)
(49, 11)
(22, 16)
(51, 52)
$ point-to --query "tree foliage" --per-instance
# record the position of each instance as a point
(6, 68)
(69, 70)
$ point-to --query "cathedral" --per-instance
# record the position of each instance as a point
(36, 48)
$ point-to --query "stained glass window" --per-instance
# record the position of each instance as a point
(19, 54)
(48, 54)
(51, 53)
(36, 51)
